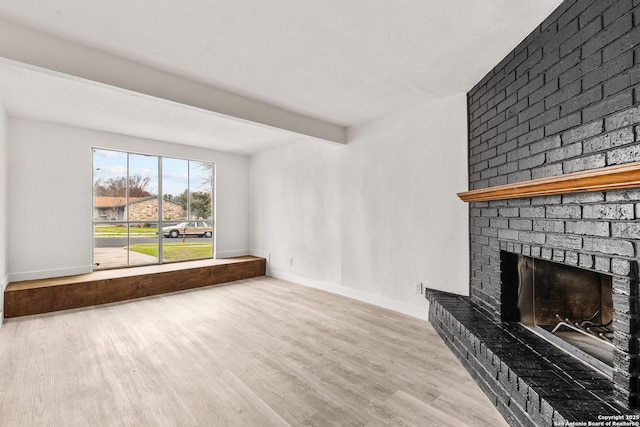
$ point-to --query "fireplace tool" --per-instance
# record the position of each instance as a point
(587, 327)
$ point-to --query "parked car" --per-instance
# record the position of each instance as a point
(191, 228)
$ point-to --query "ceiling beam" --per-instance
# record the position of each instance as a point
(22, 44)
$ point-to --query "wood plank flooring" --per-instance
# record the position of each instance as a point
(261, 352)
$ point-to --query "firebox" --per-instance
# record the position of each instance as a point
(568, 306)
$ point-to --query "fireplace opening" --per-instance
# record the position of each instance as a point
(568, 306)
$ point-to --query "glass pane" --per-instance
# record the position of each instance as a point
(200, 174)
(109, 185)
(143, 188)
(175, 186)
(175, 182)
(110, 245)
(143, 243)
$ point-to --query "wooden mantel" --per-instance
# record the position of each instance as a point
(608, 178)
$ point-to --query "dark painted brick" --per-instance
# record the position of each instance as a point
(603, 264)
(571, 258)
(583, 68)
(531, 162)
(580, 101)
(532, 237)
(508, 212)
(519, 176)
(549, 226)
(565, 241)
(497, 160)
(585, 260)
(618, 9)
(507, 102)
(609, 246)
(562, 124)
(565, 64)
(584, 163)
(508, 168)
(532, 111)
(563, 33)
(624, 155)
(547, 117)
(508, 124)
(609, 211)
(616, 84)
(565, 152)
(529, 137)
(507, 234)
(502, 84)
(563, 94)
(582, 132)
(518, 154)
(499, 222)
(608, 35)
(608, 106)
(488, 154)
(544, 91)
(588, 228)
(521, 224)
(545, 144)
(579, 38)
(623, 44)
(515, 62)
(532, 212)
(608, 70)
(531, 86)
(610, 140)
(498, 180)
(568, 212)
(488, 173)
(518, 130)
(546, 171)
(623, 195)
(595, 10)
(516, 108)
(550, 56)
(582, 198)
(622, 119)
(496, 120)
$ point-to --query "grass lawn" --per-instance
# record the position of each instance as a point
(175, 251)
(112, 230)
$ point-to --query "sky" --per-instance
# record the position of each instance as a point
(176, 173)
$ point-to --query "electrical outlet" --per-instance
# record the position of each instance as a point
(418, 287)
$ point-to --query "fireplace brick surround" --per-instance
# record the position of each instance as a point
(566, 99)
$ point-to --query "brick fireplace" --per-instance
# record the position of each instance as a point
(565, 100)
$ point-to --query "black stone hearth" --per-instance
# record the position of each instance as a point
(531, 382)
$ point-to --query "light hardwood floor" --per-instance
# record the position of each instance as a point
(261, 352)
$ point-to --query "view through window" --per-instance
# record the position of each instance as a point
(133, 225)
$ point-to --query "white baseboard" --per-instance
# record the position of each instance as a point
(47, 274)
(231, 254)
(400, 307)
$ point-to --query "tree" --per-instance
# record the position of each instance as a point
(200, 205)
(117, 187)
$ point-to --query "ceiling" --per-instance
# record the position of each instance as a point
(343, 62)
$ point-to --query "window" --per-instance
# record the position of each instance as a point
(133, 225)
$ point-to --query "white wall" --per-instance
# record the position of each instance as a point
(50, 206)
(371, 218)
(4, 243)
